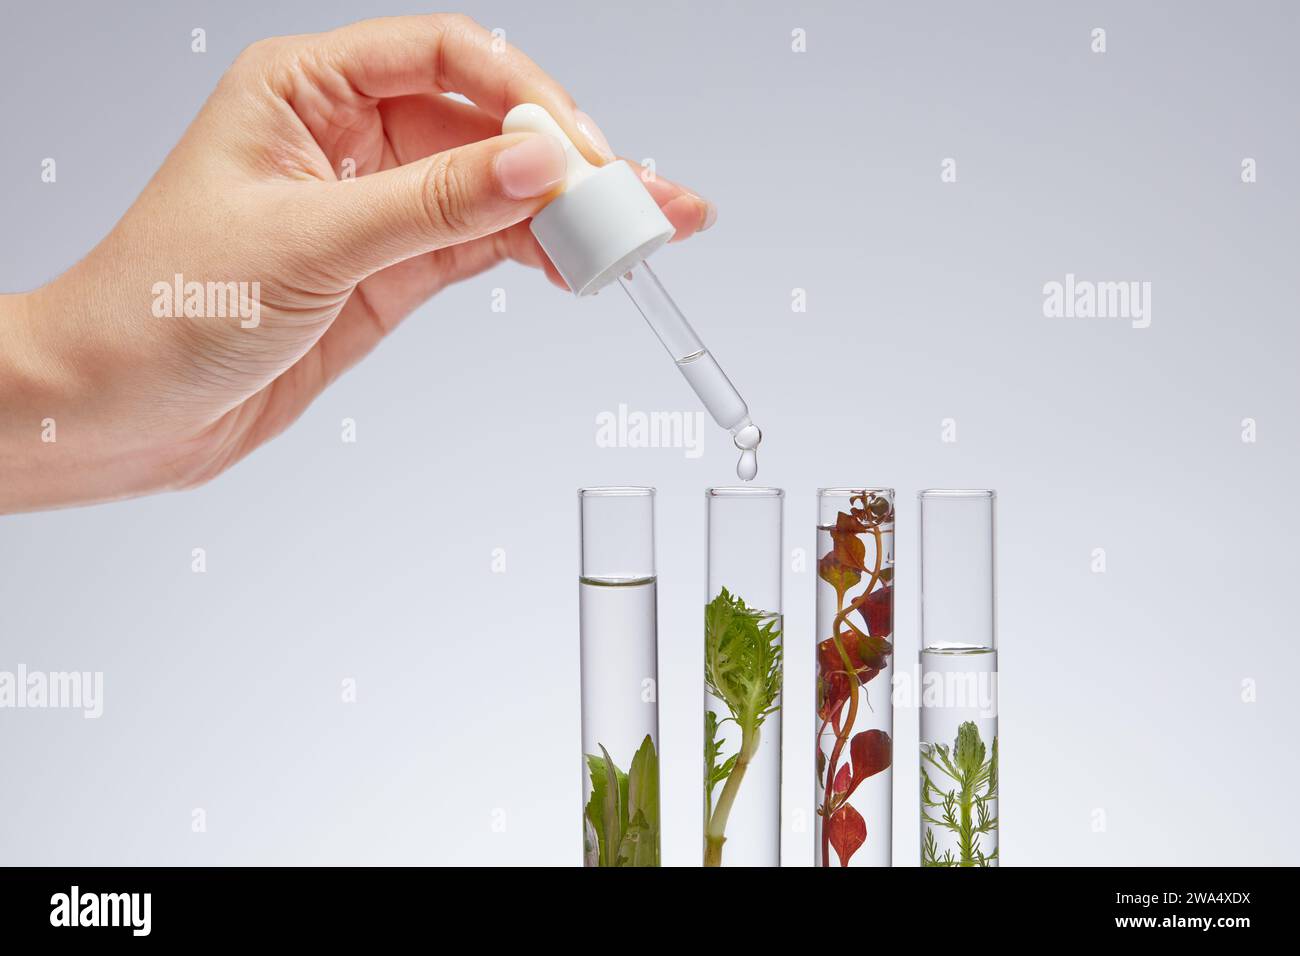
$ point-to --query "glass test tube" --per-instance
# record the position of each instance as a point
(742, 678)
(855, 670)
(959, 672)
(619, 651)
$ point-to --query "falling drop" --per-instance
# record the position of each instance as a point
(747, 467)
(747, 440)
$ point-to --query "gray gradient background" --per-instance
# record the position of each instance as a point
(1120, 691)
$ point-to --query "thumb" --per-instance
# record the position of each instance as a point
(357, 227)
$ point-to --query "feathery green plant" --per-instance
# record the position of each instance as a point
(742, 668)
(965, 809)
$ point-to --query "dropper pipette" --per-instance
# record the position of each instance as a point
(601, 227)
(694, 361)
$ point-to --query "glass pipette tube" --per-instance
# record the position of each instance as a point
(695, 362)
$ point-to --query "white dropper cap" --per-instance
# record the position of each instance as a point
(603, 223)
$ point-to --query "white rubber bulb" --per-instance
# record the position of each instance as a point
(531, 118)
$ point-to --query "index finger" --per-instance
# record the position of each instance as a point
(448, 53)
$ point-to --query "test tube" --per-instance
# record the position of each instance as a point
(619, 658)
(742, 678)
(959, 671)
(853, 797)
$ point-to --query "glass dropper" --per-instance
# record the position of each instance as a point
(695, 362)
(601, 225)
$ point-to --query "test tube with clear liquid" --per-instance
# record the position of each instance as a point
(959, 674)
(695, 362)
(619, 657)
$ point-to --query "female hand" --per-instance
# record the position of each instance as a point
(137, 397)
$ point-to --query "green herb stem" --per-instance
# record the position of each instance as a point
(966, 838)
(714, 833)
(742, 670)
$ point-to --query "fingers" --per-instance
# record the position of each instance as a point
(516, 243)
(422, 124)
(457, 263)
(359, 226)
(450, 53)
(443, 192)
(688, 212)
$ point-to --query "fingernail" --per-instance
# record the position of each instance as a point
(594, 136)
(710, 215)
(531, 168)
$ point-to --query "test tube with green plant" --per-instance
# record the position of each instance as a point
(619, 659)
(959, 672)
(742, 678)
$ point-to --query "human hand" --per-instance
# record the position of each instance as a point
(259, 190)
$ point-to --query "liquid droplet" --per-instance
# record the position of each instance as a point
(747, 440)
(747, 467)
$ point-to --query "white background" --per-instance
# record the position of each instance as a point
(1120, 692)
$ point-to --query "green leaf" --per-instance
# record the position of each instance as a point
(640, 846)
(742, 659)
(643, 785)
(623, 815)
(595, 812)
(930, 851)
(715, 772)
(968, 751)
(613, 809)
(590, 842)
(712, 748)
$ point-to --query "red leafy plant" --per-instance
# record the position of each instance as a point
(856, 651)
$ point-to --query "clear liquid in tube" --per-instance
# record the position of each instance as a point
(724, 403)
(713, 387)
(697, 366)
